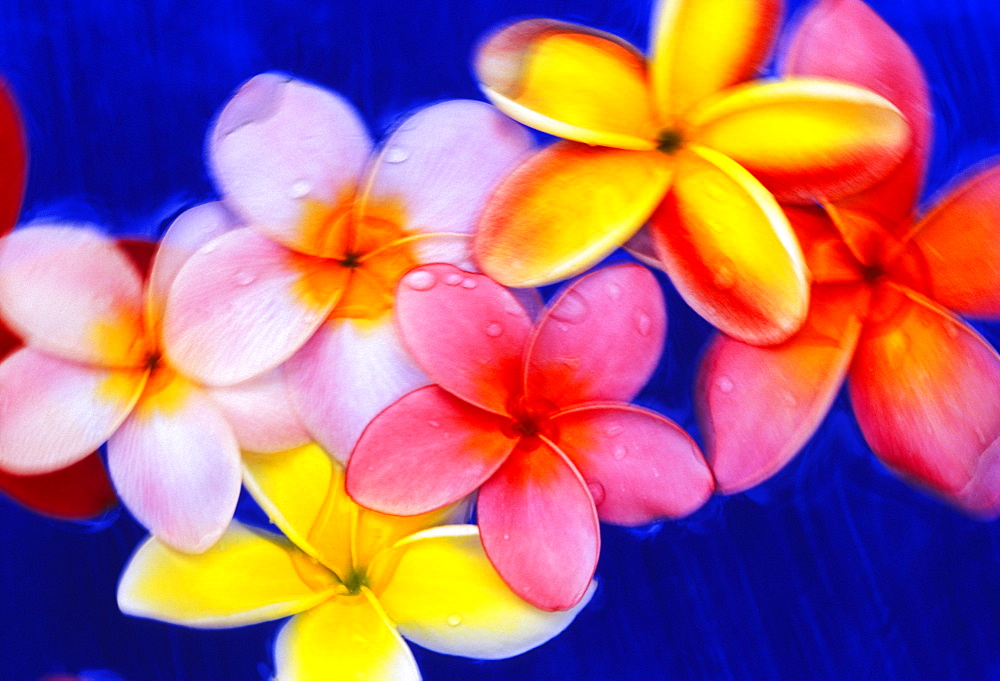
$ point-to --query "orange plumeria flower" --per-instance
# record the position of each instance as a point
(683, 138)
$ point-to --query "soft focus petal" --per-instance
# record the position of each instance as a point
(828, 257)
(250, 576)
(345, 375)
(279, 147)
(243, 304)
(702, 46)
(566, 208)
(13, 159)
(959, 241)
(926, 392)
(426, 450)
(570, 81)
(600, 340)
(467, 332)
(759, 406)
(77, 492)
(805, 139)
(71, 291)
(539, 528)
(845, 40)
(260, 413)
(730, 251)
(176, 464)
(642, 248)
(56, 412)
(348, 637)
(444, 595)
(638, 465)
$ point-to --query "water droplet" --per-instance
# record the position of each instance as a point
(716, 192)
(724, 277)
(613, 429)
(572, 309)
(656, 472)
(619, 453)
(789, 398)
(725, 384)
(300, 188)
(596, 492)
(454, 621)
(469, 283)
(614, 291)
(209, 248)
(951, 329)
(421, 280)
(396, 155)
(245, 278)
(434, 424)
(453, 279)
(506, 537)
(494, 329)
(643, 323)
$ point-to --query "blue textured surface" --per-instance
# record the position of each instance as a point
(832, 570)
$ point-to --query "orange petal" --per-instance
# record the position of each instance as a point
(730, 251)
(805, 139)
(703, 46)
(570, 81)
(566, 208)
(827, 256)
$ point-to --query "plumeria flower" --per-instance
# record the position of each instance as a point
(356, 581)
(93, 370)
(537, 417)
(924, 385)
(684, 139)
(328, 226)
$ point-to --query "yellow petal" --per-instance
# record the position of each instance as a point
(570, 81)
(249, 576)
(348, 637)
(805, 139)
(440, 589)
(703, 46)
(376, 531)
(564, 209)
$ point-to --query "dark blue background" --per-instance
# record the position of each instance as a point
(832, 570)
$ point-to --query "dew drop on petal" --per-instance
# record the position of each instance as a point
(453, 279)
(421, 280)
(434, 424)
(613, 429)
(396, 155)
(572, 309)
(951, 329)
(596, 492)
(789, 398)
(245, 278)
(454, 620)
(614, 291)
(469, 283)
(643, 323)
(506, 537)
(494, 329)
(724, 277)
(209, 248)
(725, 384)
(299, 189)
(619, 453)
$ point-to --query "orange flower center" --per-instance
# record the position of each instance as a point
(669, 141)
(529, 420)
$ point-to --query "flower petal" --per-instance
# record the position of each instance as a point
(281, 146)
(638, 465)
(77, 492)
(926, 392)
(759, 406)
(730, 251)
(566, 208)
(600, 339)
(805, 139)
(71, 291)
(845, 40)
(427, 450)
(377, 532)
(243, 304)
(467, 332)
(959, 241)
(570, 81)
(703, 46)
(539, 528)
(348, 637)
(345, 375)
(260, 413)
(444, 595)
(13, 159)
(56, 412)
(828, 258)
(250, 576)
(176, 464)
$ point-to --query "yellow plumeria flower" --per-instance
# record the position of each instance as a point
(355, 580)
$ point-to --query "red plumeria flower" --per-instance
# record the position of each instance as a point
(924, 385)
(536, 416)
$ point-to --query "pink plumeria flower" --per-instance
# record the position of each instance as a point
(537, 417)
(93, 370)
(329, 227)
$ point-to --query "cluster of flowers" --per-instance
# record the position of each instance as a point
(337, 334)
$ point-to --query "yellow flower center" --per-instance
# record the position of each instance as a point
(669, 141)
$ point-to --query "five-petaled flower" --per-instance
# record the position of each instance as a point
(355, 580)
(326, 229)
(683, 138)
(536, 418)
(924, 385)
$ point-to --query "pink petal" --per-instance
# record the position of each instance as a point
(639, 466)
(427, 450)
(281, 144)
(759, 405)
(345, 375)
(243, 304)
(55, 412)
(260, 413)
(539, 528)
(600, 340)
(466, 331)
(71, 291)
(176, 466)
